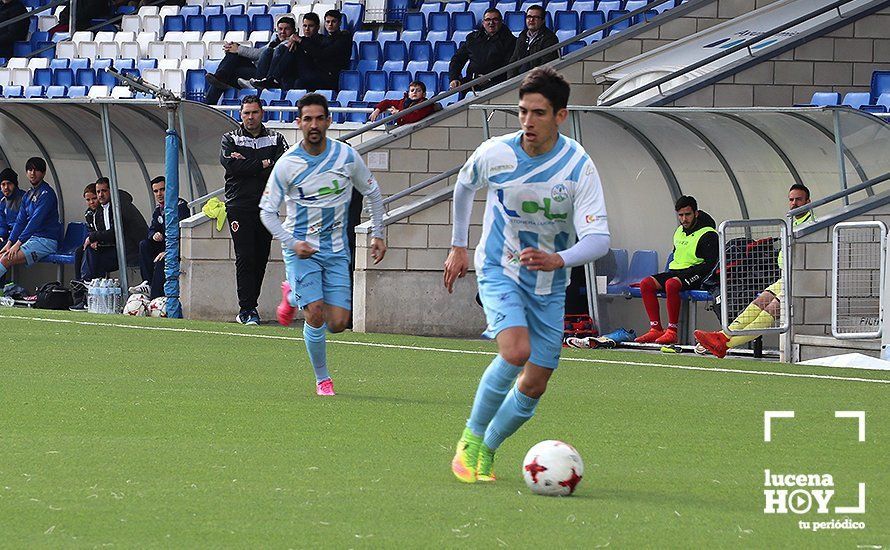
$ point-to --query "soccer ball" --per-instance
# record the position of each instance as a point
(552, 468)
(137, 305)
(158, 307)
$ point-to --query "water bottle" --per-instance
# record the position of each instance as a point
(116, 307)
(103, 296)
(91, 296)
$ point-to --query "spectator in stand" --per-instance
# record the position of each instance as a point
(78, 288)
(10, 202)
(335, 51)
(487, 50)
(301, 66)
(87, 10)
(151, 250)
(696, 252)
(416, 94)
(14, 32)
(247, 154)
(102, 258)
(247, 62)
(534, 38)
(37, 229)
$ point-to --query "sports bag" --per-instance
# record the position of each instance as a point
(53, 296)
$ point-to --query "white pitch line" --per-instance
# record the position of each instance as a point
(458, 351)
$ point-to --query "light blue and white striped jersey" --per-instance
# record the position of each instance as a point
(317, 191)
(541, 202)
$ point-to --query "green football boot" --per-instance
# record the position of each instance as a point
(485, 466)
(464, 463)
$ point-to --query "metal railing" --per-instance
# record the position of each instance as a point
(858, 257)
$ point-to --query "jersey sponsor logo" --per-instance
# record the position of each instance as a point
(559, 192)
(530, 207)
(234, 226)
(590, 218)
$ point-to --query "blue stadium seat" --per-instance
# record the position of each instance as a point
(279, 9)
(399, 80)
(262, 22)
(218, 23)
(233, 113)
(463, 21)
(234, 9)
(440, 67)
(566, 20)
(444, 84)
(641, 18)
(212, 9)
(856, 99)
(63, 77)
(643, 263)
(12, 91)
(356, 117)
(85, 77)
(37, 37)
(555, 6)
(244, 92)
(104, 78)
(143, 64)
(515, 21)
(382, 37)
(282, 116)
(504, 7)
(439, 22)
(822, 99)
(374, 96)
(430, 80)
(880, 84)
(444, 51)
(327, 94)
(75, 235)
(375, 80)
(77, 91)
(414, 22)
(56, 64)
(101, 63)
(453, 7)
(874, 109)
(477, 8)
(428, 8)
(395, 50)
(581, 6)
(54, 92)
(370, 51)
(884, 100)
(195, 84)
(415, 66)
(196, 23)
(132, 73)
(564, 34)
(631, 5)
(239, 23)
(78, 63)
(254, 9)
(618, 27)
(42, 77)
(293, 96)
(350, 80)
(459, 37)
(617, 282)
(394, 95)
(335, 117)
(591, 20)
(420, 51)
(21, 49)
(569, 48)
(186, 11)
(33, 91)
(608, 6)
(174, 23)
(365, 36)
(344, 97)
(411, 36)
(355, 15)
(397, 10)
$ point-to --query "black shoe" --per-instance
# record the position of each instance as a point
(216, 82)
(264, 83)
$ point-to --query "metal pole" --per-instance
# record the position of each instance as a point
(185, 156)
(72, 18)
(171, 216)
(115, 198)
(839, 146)
(885, 295)
(788, 337)
(486, 131)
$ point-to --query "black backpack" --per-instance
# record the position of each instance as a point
(53, 296)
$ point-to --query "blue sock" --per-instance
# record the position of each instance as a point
(515, 412)
(493, 387)
(2, 270)
(317, 348)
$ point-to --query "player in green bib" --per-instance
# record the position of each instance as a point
(695, 256)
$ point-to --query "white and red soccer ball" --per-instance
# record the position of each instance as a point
(137, 305)
(552, 468)
(158, 307)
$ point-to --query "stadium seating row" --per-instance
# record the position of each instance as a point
(876, 100)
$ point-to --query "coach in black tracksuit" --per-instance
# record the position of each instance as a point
(248, 154)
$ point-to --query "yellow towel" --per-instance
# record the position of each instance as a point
(215, 208)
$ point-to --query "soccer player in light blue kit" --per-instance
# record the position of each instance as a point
(315, 178)
(542, 191)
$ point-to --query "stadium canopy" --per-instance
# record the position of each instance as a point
(68, 133)
(738, 163)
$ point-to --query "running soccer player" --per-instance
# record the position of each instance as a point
(542, 190)
(315, 178)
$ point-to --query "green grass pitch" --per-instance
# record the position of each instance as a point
(193, 436)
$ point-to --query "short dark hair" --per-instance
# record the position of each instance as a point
(289, 21)
(312, 16)
(419, 84)
(159, 179)
(252, 99)
(800, 187)
(685, 201)
(91, 188)
(335, 14)
(536, 7)
(36, 163)
(493, 10)
(313, 99)
(104, 180)
(548, 83)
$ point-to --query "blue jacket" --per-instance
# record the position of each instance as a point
(9, 210)
(38, 215)
(157, 218)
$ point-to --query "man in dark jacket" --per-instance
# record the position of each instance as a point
(151, 249)
(303, 65)
(334, 53)
(696, 253)
(87, 10)
(248, 154)
(10, 202)
(534, 38)
(487, 50)
(100, 254)
(14, 32)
